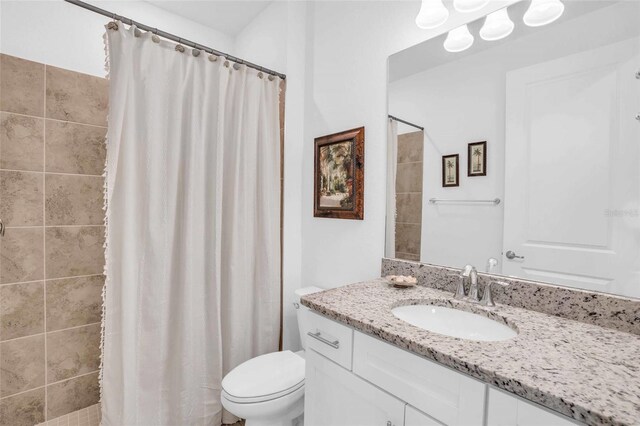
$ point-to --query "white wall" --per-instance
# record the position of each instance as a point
(57, 33)
(350, 45)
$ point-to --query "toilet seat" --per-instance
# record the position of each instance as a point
(264, 378)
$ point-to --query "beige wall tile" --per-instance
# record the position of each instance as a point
(21, 86)
(73, 352)
(75, 148)
(22, 255)
(22, 364)
(21, 196)
(73, 200)
(72, 395)
(409, 208)
(409, 177)
(408, 256)
(407, 238)
(25, 409)
(410, 147)
(76, 97)
(74, 301)
(21, 142)
(73, 251)
(21, 310)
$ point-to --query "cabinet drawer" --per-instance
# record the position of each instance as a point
(330, 339)
(449, 397)
(509, 410)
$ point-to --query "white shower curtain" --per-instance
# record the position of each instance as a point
(193, 223)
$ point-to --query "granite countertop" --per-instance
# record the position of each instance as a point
(586, 372)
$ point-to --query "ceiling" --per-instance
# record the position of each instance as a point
(229, 17)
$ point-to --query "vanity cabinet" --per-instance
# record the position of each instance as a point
(442, 393)
(505, 409)
(413, 417)
(334, 396)
(353, 379)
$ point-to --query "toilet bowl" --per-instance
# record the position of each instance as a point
(268, 390)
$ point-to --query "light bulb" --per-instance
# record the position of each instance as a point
(432, 14)
(543, 12)
(458, 39)
(497, 25)
(469, 5)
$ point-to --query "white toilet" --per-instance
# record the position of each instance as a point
(268, 390)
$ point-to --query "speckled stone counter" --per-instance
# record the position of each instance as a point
(604, 310)
(583, 371)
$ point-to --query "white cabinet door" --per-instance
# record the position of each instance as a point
(337, 397)
(509, 410)
(413, 417)
(573, 183)
(451, 398)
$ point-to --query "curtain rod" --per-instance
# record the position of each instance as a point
(172, 37)
(405, 122)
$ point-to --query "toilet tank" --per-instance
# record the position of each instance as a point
(302, 312)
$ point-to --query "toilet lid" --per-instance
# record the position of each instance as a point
(265, 377)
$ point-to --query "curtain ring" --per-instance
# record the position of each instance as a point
(236, 66)
(155, 38)
(195, 52)
(226, 64)
(260, 75)
(179, 48)
(213, 58)
(137, 32)
(271, 77)
(113, 25)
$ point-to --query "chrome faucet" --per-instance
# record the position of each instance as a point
(471, 272)
(487, 297)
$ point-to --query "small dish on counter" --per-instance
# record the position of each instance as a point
(401, 281)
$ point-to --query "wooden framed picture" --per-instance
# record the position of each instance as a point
(339, 175)
(450, 170)
(477, 159)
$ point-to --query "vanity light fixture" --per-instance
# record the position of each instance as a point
(497, 25)
(467, 6)
(543, 12)
(433, 13)
(458, 39)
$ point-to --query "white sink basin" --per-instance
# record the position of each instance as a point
(454, 322)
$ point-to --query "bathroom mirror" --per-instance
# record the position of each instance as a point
(554, 193)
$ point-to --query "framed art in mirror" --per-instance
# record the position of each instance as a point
(477, 159)
(339, 175)
(450, 170)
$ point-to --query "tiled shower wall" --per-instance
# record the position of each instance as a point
(409, 195)
(52, 130)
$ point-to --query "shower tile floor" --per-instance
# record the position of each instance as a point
(89, 416)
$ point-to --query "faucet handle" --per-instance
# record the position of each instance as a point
(467, 270)
(459, 294)
(487, 298)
